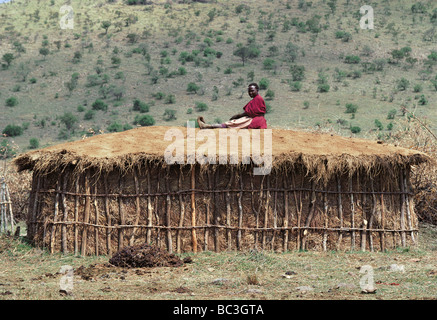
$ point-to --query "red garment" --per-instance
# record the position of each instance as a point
(256, 109)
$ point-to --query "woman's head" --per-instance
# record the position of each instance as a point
(253, 90)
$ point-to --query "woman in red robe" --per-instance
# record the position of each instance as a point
(251, 118)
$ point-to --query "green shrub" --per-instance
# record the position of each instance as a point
(140, 106)
(295, 86)
(378, 124)
(264, 83)
(159, 95)
(89, 115)
(355, 129)
(323, 87)
(228, 70)
(33, 143)
(352, 59)
(170, 99)
(270, 94)
(99, 105)
(192, 87)
(351, 108)
(11, 102)
(201, 106)
(390, 126)
(391, 114)
(269, 63)
(115, 127)
(144, 120)
(169, 115)
(12, 130)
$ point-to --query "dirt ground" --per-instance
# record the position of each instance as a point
(28, 273)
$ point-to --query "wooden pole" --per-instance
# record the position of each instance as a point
(65, 214)
(382, 234)
(340, 212)
(55, 216)
(108, 216)
(34, 208)
(181, 215)
(240, 211)
(228, 210)
(137, 205)
(402, 217)
(76, 216)
(87, 212)
(311, 210)
(149, 206)
(372, 214)
(275, 214)
(96, 228)
(407, 202)
(266, 214)
(325, 214)
(193, 208)
(168, 214)
(9, 208)
(352, 213)
(286, 214)
(257, 211)
(208, 210)
(216, 211)
(156, 211)
(121, 213)
(299, 206)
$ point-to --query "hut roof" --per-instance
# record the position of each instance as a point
(321, 153)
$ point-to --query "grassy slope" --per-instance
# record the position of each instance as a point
(395, 25)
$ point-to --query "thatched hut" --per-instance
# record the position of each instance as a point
(324, 192)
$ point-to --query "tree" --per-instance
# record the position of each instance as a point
(290, 52)
(8, 57)
(246, 52)
(105, 25)
(69, 120)
(44, 52)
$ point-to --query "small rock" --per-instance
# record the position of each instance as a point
(369, 290)
(304, 289)
(346, 286)
(397, 268)
(290, 273)
(219, 281)
(253, 290)
(65, 293)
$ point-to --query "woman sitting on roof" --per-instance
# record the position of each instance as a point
(251, 118)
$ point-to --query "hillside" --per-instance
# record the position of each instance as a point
(178, 60)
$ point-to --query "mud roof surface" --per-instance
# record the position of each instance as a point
(111, 150)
